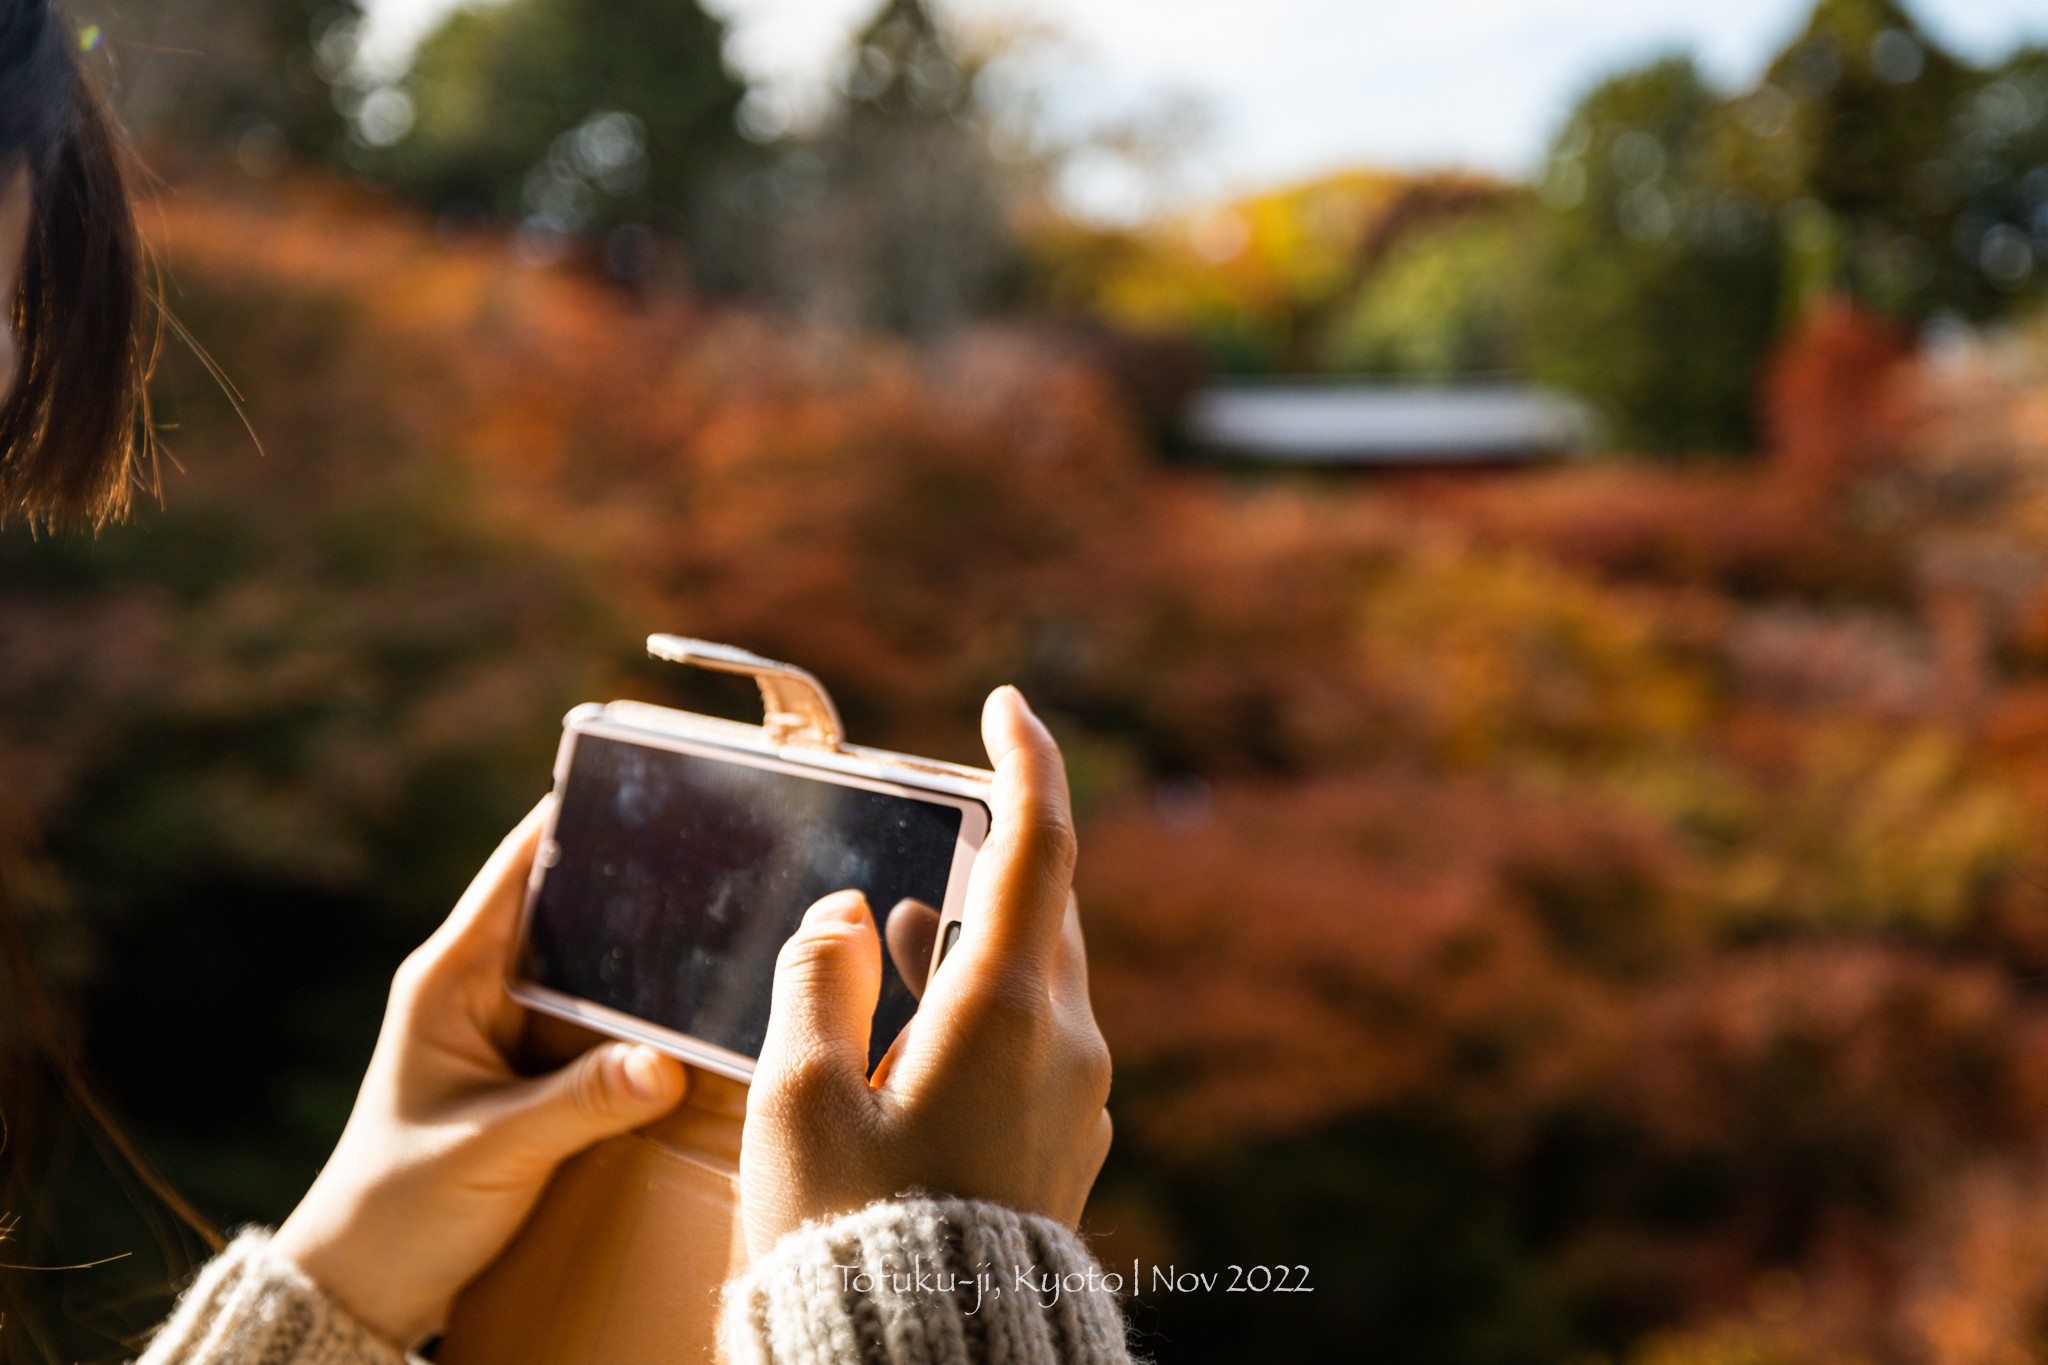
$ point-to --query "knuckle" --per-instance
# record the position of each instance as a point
(1097, 1068)
(1015, 999)
(813, 953)
(1047, 837)
(589, 1094)
(413, 976)
(803, 1084)
(797, 956)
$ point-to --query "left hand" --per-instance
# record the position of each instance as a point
(448, 1146)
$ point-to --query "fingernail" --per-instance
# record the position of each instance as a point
(646, 1075)
(1015, 697)
(841, 907)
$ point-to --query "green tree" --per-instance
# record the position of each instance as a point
(1850, 137)
(1442, 304)
(904, 67)
(1866, 161)
(249, 78)
(1655, 284)
(895, 212)
(1998, 170)
(571, 114)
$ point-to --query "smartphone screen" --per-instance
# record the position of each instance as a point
(674, 878)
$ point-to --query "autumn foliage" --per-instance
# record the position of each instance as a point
(1592, 914)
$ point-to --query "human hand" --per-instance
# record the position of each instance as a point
(448, 1146)
(995, 1089)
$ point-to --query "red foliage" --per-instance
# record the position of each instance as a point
(1837, 403)
(1831, 410)
(1729, 531)
(1272, 958)
(1683, 805)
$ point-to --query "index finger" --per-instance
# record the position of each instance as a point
(1017, 892)
(484, 921)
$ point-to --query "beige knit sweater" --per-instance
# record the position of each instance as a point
(908, 1282)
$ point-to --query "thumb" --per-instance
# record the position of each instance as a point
(827, 980)
(610, 1089)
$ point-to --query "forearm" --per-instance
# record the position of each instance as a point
(251, 1306)
(924, 1280)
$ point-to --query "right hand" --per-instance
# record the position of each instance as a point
(995, 1089)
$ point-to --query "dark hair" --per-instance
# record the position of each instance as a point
(73, 440)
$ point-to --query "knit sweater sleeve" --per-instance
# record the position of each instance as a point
(924, 1282)
(251, 1305)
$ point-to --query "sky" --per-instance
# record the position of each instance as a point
(1275, 91)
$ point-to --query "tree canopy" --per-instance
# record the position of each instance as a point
(571, 114)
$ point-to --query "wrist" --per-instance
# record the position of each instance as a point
(331, 1248)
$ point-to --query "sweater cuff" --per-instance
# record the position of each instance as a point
(250, 1304)
(924, 1281)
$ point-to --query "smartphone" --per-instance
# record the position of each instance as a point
(676, 863)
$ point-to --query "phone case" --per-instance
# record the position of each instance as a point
(623, 1257)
